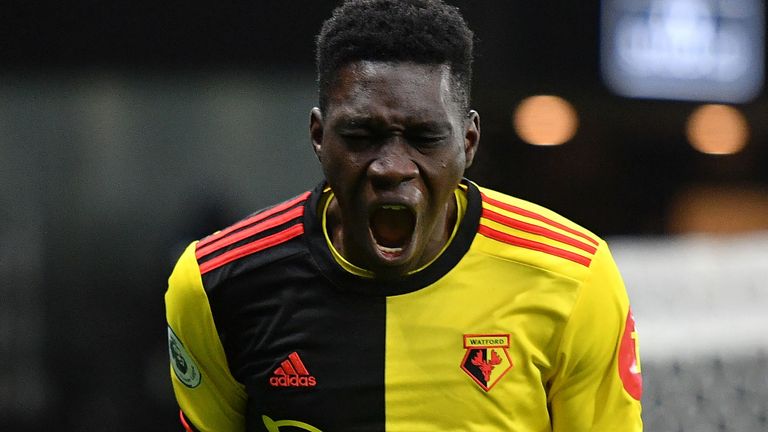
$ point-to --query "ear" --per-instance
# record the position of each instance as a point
(316, 131)
(471, 137)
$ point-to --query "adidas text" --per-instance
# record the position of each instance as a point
(292, 381)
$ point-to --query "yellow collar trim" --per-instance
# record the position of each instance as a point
(461, 208)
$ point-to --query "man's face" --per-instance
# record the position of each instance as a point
(393, 144)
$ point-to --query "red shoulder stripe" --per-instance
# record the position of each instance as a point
(253, 219)
(251, 248)
(532, 215)
(533, 245)
(253, 230)
(535, 229)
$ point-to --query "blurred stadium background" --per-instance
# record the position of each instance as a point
(129, 128)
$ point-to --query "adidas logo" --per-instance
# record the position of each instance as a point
(292, 373)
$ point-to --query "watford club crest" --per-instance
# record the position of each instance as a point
(486, 359)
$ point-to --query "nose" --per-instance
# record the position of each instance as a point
(393, 165)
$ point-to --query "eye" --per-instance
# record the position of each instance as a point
(357, 133)
(354, 131)
(427, 140)
(428, 135)
(357, 140)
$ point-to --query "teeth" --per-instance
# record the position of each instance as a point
(389, 249)
(393, 207)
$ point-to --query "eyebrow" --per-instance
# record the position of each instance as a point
(354, 121)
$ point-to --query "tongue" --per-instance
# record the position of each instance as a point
(392, 228)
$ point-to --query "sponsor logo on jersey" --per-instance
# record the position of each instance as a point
(486, 358)
(629, 360)
(292, 373)
(275, 425)
(183, 366)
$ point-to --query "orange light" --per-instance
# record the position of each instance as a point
(719, 209)
(717, 130)
(545, 120)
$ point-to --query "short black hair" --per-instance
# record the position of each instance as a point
(419, 31)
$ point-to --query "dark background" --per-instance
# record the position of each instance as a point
(524, 48)
(100, 276)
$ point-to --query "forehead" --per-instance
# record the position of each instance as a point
(367, 87)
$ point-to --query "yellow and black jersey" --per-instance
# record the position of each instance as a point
(521, 324)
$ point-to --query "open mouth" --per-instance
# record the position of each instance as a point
(392, 227)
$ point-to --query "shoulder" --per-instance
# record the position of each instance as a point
(260, 238)
(520, 231)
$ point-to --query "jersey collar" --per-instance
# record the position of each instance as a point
(345, 280)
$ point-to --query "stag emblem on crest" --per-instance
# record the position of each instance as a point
(486, 359)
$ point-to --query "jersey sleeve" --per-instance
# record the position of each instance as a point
(597, 385)
(209, 396)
